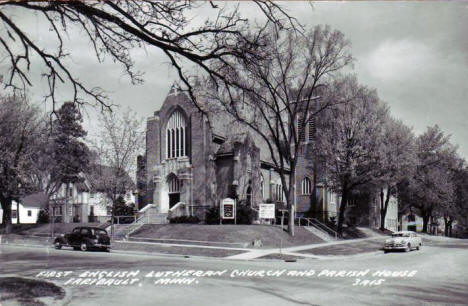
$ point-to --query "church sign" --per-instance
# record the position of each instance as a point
(266, 211)
(228, 208)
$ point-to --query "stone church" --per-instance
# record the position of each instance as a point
(199, 159)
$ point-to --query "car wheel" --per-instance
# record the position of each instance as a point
(408, 247)
(84, 247)
(57, 245)
(419, 247)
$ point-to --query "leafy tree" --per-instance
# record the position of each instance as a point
(350, 139)
(277, 94)
(19, 131)
(63, 155)
(432, 183)
(115, 28)
(459, 211)
(397, 161)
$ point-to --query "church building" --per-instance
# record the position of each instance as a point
(199, 159)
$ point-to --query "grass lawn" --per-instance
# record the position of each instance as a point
(176, 250)
(279, 256)
(45, 229)
(348, 248)
(271, 236)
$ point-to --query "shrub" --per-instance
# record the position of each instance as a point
(212, 215)
(245, 214)
(42, 217)
(185, 219)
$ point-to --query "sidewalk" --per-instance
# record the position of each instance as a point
(253, 254)
(315, 251)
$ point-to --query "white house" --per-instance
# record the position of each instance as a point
(86, 201)
(27, 209)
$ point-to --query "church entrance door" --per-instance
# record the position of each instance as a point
(174, 190)
(174, 198)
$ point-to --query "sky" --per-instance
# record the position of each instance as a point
(415, 53)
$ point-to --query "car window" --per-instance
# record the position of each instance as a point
(84, 231)
(401, 235)
(76, 230)
(97, 231)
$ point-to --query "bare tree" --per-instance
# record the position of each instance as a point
(118, 145)
(277, 94)
(114, 28)
(20, 127)
(350, 138)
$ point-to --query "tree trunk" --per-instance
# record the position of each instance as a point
(291, 203)
(445, 226)
(6, 207)
(17, 212)
(450, 227)
(291, 220)
(383, 210)
(425, 221)
(344, 201)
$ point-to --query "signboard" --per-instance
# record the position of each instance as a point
(228, 208)
(266, 211)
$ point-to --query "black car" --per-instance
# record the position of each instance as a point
(84, 238)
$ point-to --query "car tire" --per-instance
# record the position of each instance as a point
(84, 247)
(419, 247)
(57, 245)
(408, 247)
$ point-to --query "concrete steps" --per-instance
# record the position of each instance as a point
(322, 235)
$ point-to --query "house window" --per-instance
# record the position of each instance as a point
(29, 213)
(176, 138)
(70, 192)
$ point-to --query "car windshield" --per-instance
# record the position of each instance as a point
(401, 235)
(97, 231)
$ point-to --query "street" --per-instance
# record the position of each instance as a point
(436, 275)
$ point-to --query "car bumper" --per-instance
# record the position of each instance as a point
(389, 248)
(98, 245)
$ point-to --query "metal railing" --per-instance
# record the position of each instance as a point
(318, 225)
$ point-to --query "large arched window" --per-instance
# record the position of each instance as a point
(176, 140)
(306, 186)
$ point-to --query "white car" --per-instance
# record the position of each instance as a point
(404, 240)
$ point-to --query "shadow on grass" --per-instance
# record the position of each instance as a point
(26, 291)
